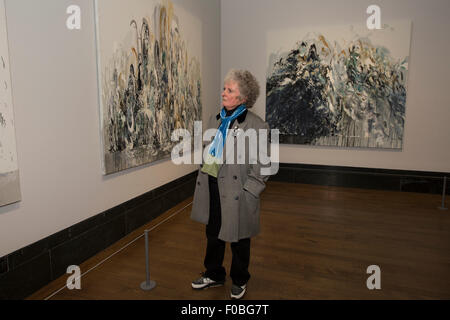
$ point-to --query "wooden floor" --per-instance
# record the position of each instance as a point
(316, 243)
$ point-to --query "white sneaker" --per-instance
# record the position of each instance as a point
(237, 292)
(205, 282)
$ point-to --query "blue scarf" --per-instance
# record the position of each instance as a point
(216, 149)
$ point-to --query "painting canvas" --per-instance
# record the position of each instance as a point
(9, 171)
(149, 55)
(340, 86)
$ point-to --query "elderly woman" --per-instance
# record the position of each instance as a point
(227, 194)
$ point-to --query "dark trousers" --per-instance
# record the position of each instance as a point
(215, 249)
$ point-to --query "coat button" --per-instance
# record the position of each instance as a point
(237, 198)
(235, 177)
(198, 182)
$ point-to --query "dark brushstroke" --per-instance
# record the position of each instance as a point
(2, 120)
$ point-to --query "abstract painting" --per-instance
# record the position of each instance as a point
(339, 86)
(9, 171)
(149, 55)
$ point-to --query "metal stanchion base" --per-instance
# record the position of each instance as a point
(442, 208)
(148, 286)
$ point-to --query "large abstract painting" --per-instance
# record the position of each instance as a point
(9, 171)
(339, 86)
(149, 55)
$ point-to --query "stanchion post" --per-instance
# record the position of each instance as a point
(442, 207)
(148, 284)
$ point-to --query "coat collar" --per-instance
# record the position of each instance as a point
(239, 119)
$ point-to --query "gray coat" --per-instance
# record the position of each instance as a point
(240, 185)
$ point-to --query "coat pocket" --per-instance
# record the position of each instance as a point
(251, 202)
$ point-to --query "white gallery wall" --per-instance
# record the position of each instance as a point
(426, 147)
(55, 95)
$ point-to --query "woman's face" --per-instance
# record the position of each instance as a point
(230, 95)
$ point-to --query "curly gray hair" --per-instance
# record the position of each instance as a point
(248, 85)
